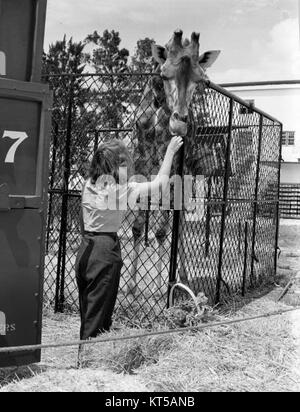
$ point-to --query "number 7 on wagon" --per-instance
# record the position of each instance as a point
(19, 137)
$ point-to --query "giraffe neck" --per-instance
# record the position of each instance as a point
(153, 110)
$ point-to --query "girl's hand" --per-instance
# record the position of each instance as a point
(175, 144)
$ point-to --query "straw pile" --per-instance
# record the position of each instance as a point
(254, 356)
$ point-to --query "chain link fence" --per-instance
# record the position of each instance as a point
(226, 240)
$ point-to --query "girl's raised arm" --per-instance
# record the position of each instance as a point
(162, 179)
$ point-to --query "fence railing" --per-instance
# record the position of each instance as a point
(226, 245)
(290, 201)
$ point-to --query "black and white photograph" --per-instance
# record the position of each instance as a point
(150, 199)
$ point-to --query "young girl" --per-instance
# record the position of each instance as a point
(99, 262)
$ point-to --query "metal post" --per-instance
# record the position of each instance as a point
(225, 200)
(255, 207)
(245, 259)
(52, 175)
(175, 232)
(208, 218)
(147, 222)
(61, 265)
(96, 141)
(240, 237)
(278, 202)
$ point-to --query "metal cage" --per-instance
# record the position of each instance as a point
(223, 244)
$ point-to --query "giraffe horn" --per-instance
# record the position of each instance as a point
(177, 39)
(196, 38)
(196, 42)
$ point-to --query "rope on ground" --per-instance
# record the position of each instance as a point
(31, 348)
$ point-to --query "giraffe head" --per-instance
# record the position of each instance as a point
(182, 70)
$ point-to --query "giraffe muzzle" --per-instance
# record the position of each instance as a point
(183, 119)
(178, 124)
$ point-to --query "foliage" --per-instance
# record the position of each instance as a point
(107, 57)
(64, 57)
(63, 69)
(108, 60)
(142, 60)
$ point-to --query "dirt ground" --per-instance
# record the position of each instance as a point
(261, 355)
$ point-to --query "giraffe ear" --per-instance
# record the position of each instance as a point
(159, 53)
(208, 58)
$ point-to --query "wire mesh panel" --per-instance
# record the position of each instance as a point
(266, 236)
(233, 241)
(200, 226)
(290, 201)
(239, 213)
(88, 111)
(224, 238)
(265, 239)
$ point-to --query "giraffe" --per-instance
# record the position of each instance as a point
(164, 111)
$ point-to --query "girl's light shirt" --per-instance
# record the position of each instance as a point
(104, 207)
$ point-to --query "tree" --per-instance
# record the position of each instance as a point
(107, 55)
(63, 67)
(142, 60)
(109, 61)
(64, 57)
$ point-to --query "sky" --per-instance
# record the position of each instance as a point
(259, 39)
